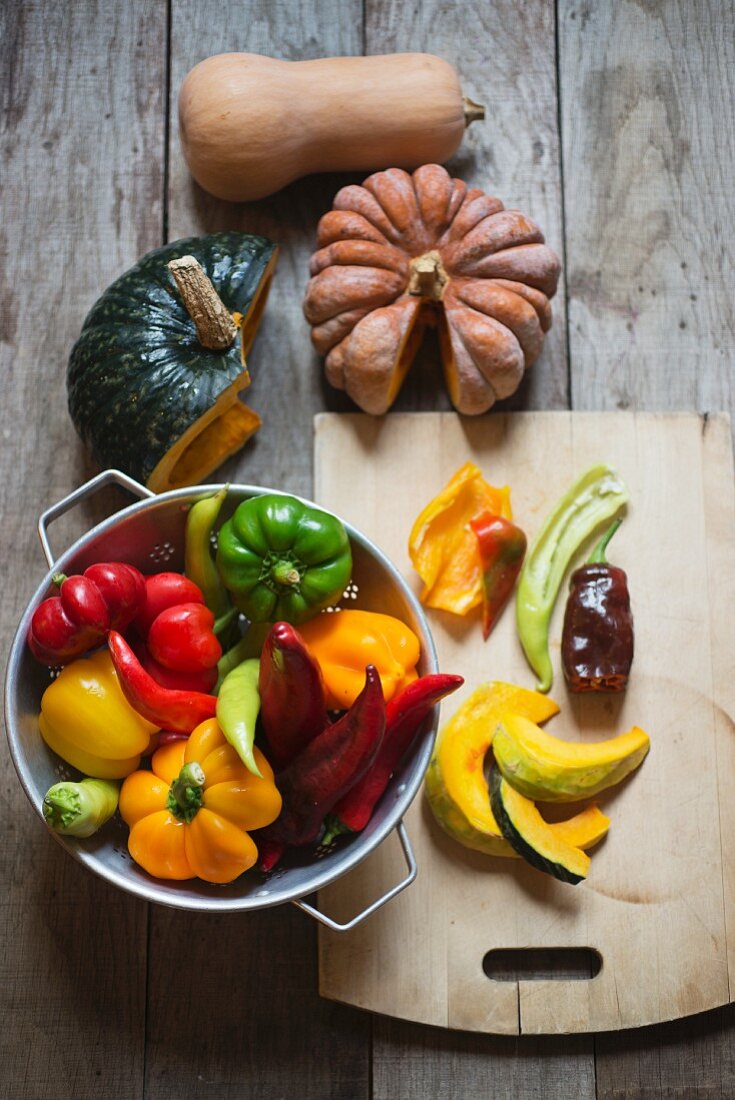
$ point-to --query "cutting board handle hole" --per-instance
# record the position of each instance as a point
(535, 964)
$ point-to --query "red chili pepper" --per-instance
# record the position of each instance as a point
(324, 771)
(502, 548)
(164, 590)
(106, 596)
(404, 716)
(179, 711)
(182, 638)
(166, 677)
(293, 709)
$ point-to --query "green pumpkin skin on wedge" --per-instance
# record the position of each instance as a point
(138, 377)
(567, 864)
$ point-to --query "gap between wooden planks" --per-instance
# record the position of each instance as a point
(660, 899)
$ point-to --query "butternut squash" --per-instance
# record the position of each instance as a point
(251, 124)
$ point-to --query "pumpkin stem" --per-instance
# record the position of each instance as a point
(473, 112)
(428, 277)
(214, 324)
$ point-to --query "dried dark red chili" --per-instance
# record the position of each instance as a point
(597, 641)
(324, 771)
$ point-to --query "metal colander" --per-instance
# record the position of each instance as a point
(150, 535)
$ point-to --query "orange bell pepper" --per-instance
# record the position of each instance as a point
(344, 643)
(189, 816)
(442, 545)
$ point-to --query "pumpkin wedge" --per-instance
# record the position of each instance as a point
(456, 786)
(154, 378)
(532, 837)
(551, 770)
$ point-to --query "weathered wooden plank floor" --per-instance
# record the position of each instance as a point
(613, 125)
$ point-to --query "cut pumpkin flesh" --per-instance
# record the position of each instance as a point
(221, 432)
(456, 786)
(532, 837)
(551, 770)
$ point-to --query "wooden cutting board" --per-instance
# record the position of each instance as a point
(659, 903)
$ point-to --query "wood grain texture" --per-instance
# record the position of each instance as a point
(414, 1062)
(247, 1018)
(649, 156)
(646, 90)
(287, 379)
(648, 148)
(505, 55)
(82, 146)
(653, 905)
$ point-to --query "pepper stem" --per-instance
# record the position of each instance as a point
(186, 792)
(58, 579)
(333, 828)
(597, 557)
(214, 324)
(285, 574)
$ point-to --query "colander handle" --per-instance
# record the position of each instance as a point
(107, 477)
(411, 875)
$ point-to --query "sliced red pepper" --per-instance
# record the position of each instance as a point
(107, 596)
(325, 770)
(182, 638)
(179, 681)
(179, 711)
(164, 590)
(293, 709)
(502, 548)
(404, 716)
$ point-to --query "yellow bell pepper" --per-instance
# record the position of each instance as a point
(189, 816)
(345, 642)
(443, 547)
(87, 721)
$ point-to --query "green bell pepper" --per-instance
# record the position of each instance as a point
(282, 559)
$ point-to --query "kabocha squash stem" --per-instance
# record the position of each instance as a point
(214, 324)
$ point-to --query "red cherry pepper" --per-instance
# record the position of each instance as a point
(293, 710)
(502, 548)
(106, 596)
(404, 716)
(324, 771)
(179, 711)
(164, 590)
(182, 638)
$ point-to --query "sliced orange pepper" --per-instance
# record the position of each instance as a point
(442, 545)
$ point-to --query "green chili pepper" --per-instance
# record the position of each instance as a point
(595, 497)
(282, 559)
(250, 645)
(80, 809)
(238, 706)
(199, 564)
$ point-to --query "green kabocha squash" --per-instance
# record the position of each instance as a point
(154, 377)
(533, 838)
